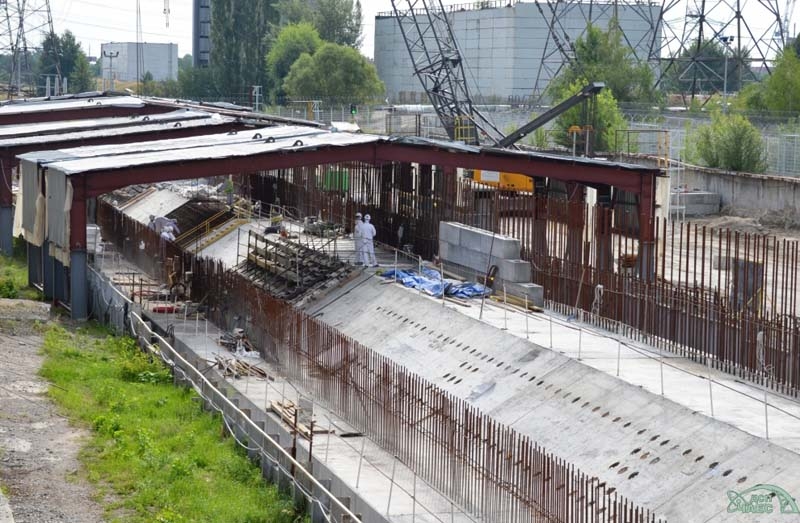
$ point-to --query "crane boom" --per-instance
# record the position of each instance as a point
(438, 64)
(584, 94)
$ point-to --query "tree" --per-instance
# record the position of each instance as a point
(197, 83)
(729, 142)
(82, 79)
(607, 119)
(335, 73)
(782, 87)
(238, 30)
(185, 62)
(602, 56)
(337, 21)
(64, 49)
(292, 42)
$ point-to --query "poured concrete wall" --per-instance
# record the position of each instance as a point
(657, 453)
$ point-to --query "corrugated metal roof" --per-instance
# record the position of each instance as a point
(281, 142)
(61, 105)
(91, 151)
(29, 129)
(44, 140)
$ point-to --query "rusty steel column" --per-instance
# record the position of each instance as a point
(604, 252)
(576, 198)
(540, 247)
(78, 279)
(647, 208)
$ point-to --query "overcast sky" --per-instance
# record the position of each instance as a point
(97, 21)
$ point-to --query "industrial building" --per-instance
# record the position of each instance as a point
(510, 50)
(119, 61)
(201, 32)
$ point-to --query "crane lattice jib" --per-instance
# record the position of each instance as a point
(438, 64)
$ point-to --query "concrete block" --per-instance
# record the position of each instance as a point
(534, 292)
(450, 232)
(479, 240)
(518, 271)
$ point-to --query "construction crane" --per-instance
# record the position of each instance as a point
(787, 16)
(166, 11)
(438, 64)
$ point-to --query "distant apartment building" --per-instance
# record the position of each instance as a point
(119, 59)
(201, 33)
(511, 48)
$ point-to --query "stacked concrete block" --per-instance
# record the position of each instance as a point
(474, 250)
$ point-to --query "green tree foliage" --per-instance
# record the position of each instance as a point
(186, 62)
(238, 30)
(602, 56)
(63, 48)
(197, 83)
(778, 92)
(334, 73)
(729, 142)
(607, 119)
(337, 21)
(82, 78)
(293, 41)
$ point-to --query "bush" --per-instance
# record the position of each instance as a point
(730, 142)
(8, 289)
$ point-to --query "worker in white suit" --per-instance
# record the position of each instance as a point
(358, 239)
(368, 233)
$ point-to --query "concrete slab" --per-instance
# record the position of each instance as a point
(655, 449)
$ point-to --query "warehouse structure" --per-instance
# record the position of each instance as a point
(511, 50)
(119, 61)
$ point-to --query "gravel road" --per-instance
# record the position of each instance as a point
(40, 475)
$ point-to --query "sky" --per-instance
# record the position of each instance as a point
(97, 21)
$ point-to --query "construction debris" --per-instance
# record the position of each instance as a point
(288, 268)
(288, 412)
(237, 368)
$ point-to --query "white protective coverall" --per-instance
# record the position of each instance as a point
(358, 239)
(368, 232)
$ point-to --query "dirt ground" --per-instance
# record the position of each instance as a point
(40, 474)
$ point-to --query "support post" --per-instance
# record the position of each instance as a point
(6, 206)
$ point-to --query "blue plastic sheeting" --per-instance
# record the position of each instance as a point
(430, 282)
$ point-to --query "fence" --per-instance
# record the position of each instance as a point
(497, 473)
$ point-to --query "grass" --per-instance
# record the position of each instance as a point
(14, 275)
(154, 454)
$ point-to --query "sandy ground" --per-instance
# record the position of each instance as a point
(40, 474)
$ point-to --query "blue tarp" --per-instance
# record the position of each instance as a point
(430, 282)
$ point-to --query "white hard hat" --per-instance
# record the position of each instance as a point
(366, 217)
(358, 215)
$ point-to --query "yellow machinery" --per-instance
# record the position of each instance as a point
(504, 181)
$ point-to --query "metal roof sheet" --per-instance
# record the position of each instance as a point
(44, 140)
(61, 105)
(250, 135)
(280, 142)
(29, 129)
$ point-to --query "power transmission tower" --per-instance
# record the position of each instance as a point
(438, 64)
(27, 23)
